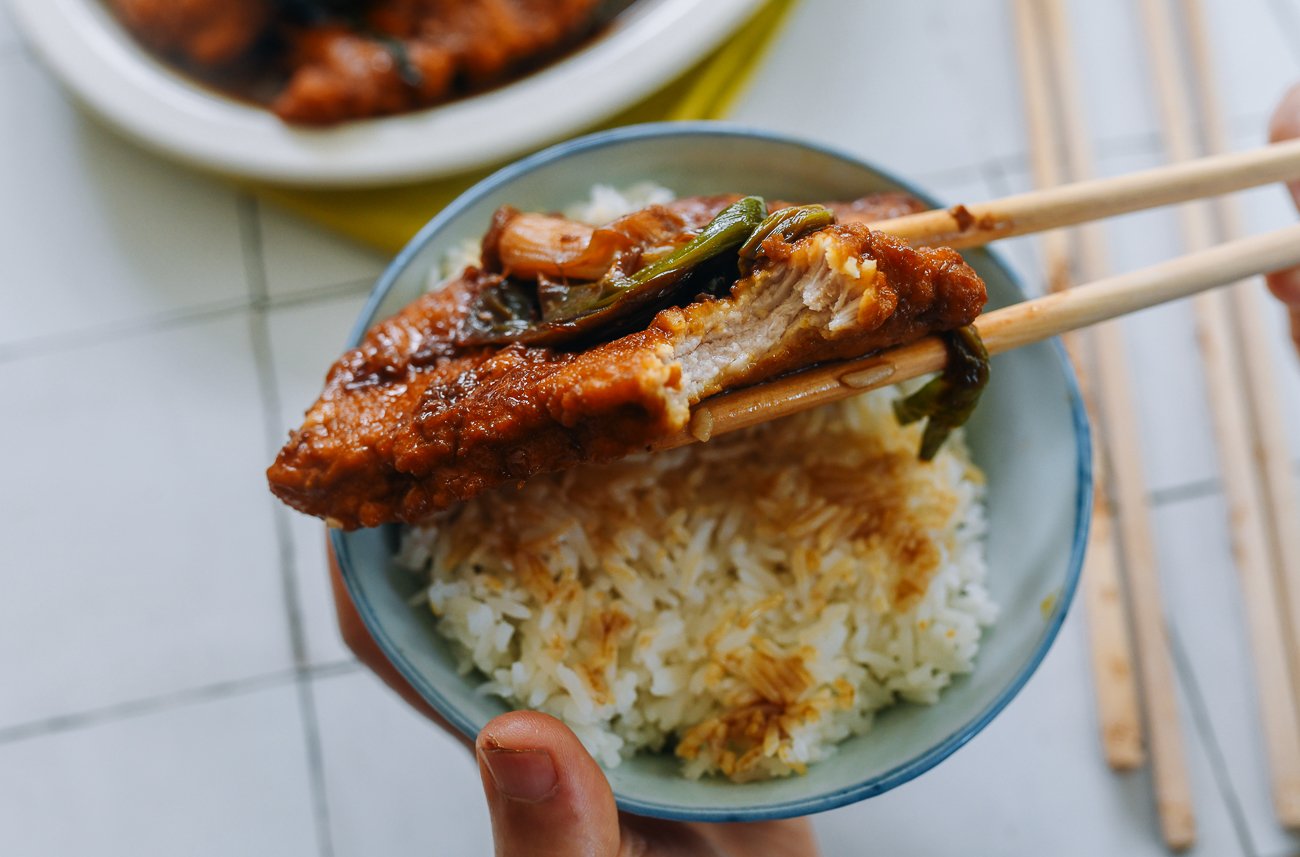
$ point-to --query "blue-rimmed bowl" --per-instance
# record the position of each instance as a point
(1029, 435)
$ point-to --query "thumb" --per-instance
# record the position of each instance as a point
(1286, 284)
(546, 795)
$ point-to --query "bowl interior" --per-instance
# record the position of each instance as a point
(1028, 435)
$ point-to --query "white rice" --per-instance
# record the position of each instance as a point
(747, 603)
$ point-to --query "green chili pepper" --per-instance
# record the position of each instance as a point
(949, 400)
(733, 225)
(792, 223)
(585, 308)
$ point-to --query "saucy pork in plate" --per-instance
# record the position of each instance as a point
(571, 344)
(319, 62)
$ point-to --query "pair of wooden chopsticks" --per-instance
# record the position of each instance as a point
(1043, 318)
(1262, 509)
(1062, 135)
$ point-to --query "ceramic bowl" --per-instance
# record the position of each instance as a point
(643, 48)
(1030, 436)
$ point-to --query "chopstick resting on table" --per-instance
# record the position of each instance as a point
(1251, 547)
(1100, 350)
(1002, 330)
(1119, 424)
(1259, 368)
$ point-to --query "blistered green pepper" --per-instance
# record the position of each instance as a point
(948, 400)
(791, 222)
(586, 307)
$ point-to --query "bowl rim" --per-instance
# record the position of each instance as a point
(873, 786)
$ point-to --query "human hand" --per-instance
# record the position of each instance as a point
(548, 797)
(1286, 284)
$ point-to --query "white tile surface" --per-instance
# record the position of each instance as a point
(1118, 94)
(301, 257)
(847, 64)
(1202, 592)
(953, 188)
(396, 784)
(139, 552)
(305, 340)
(9, 37)
(96, 231)
(1253, 62)
(1033, 782)
(211, 780)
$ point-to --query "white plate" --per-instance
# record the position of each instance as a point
(100, 62)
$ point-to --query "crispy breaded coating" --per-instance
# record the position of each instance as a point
(409, 424)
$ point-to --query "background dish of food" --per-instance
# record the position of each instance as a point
(94, 56)
(321, 62)
(1029, 436)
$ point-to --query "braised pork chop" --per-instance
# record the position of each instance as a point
(409, 423)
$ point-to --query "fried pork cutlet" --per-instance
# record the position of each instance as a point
(415, 53)
(412, 422)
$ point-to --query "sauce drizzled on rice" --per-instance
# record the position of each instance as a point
(747, 602)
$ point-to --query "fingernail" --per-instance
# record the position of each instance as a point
(522, 775)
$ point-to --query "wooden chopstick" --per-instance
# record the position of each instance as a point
(1002, 330)
(1250, 540)
(1068, 205)
(1114, 673)
(1175, 804)
(1260, 381)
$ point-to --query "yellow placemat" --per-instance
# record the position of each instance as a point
(388, 217)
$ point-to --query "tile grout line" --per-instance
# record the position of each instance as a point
(315, 764)
(250, 234)
(269, 392)
(333, 291)
(1124, 145)
(1185, 491)
(1214, 751)
(143, 707)
(116, 331)
(166, 702)
(950, 175)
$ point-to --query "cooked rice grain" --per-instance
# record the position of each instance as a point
(746, 603)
